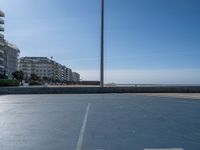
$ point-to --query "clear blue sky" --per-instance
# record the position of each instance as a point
(146, 41)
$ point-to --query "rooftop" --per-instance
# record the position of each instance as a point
(13, 46)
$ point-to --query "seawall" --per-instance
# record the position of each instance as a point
(97, 90)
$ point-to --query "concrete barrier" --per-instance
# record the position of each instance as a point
(96, 90)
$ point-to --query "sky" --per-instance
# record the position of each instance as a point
(146, 41)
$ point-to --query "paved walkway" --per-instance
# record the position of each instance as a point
(175, 95)
(98, 122)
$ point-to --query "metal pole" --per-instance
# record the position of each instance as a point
(102, 45)
(52, 70)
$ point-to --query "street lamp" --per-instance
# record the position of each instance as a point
(102, 46)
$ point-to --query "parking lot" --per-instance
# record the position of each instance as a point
(99, 122)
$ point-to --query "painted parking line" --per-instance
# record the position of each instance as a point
(163, 149)
(81, 135)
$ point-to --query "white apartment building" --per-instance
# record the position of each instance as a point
(58, 72)
(44, 67)
(1, 43)
(40, 66)
(11, 58)
(75, 76)
(9, 53)
(69, 74)
(1, 56)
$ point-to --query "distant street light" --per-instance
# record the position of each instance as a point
(102, 45)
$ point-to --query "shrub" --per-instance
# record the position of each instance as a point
(7, 82)
(2, 76)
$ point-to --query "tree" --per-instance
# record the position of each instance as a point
(45, 79)
(19, 75)
(34, 77)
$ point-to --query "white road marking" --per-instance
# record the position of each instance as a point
(81, 135)
(163, 149)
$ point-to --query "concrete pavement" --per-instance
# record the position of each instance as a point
(175, 95)
(98, 122)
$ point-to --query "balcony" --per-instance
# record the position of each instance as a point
(2, 14)
(1, 52)
(2, 42)
(1, 21)
(1, 36)
(1, 28)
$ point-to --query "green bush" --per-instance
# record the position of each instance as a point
(3, 76)
(7, 82)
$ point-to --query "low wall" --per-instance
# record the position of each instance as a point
(96, 90)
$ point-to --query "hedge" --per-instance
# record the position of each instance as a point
(7, 82)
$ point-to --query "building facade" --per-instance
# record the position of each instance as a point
(1, 43)
(11, 58)
(40, 66)
(9, 53)
(2, 56)
(75, 76)
(69, 74)
(45, 67)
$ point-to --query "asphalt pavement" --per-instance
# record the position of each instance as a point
(99, 122)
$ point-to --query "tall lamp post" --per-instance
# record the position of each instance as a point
(102, 45)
